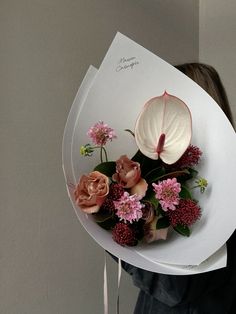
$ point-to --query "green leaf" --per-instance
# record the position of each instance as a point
(174, 174)
(150, 197)
(108, 223)
(192, 172)
(146, 163)
(100, 217)
(162, 223)
(183, 230)
(105, 220)
(138, 157)
(154, 174)
(131, 132)
(185, 193)
(108, 168)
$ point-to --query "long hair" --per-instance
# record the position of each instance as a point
(208, 78)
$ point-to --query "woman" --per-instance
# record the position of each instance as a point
(208, 78)
(207, 293)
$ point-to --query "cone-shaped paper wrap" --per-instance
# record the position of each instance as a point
(128, 77)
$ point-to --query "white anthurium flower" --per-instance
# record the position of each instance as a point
(164, 128)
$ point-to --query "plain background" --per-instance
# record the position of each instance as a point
(217, 43)
(48, 263)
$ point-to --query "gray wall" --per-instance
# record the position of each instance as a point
(48, 263)
(217, 41)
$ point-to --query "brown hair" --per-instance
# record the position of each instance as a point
(208, 78)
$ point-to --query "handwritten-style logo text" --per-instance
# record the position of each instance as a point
(126, 64)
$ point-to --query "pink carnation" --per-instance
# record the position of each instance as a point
(101, 133)
(167, 193)
(129, 207)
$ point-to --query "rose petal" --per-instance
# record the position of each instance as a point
(140, 188)
(128, 172)
(91, 191)
(90, 210)
(152, 234)
(161, 234)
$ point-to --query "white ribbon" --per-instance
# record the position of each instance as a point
(105, 291)
(105, 286)
(118, 287)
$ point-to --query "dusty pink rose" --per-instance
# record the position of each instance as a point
(91, 191)
(128, 172)
(140, 188)
(148, 212)
(153, 234)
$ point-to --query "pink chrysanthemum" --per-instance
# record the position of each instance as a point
(124, 235)
(129, 207)
(101, 133)
(186, 213)
(167, 193)
(190, 157)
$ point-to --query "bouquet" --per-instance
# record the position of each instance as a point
(129, 185)
(143, 197)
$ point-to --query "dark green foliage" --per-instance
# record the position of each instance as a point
(162, 223)
(183, 230)
(108, 168)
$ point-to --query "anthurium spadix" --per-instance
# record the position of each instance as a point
(164, 128)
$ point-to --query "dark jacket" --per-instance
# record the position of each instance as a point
(208, 293)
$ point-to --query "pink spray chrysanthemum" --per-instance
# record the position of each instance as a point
(167, 193)
(129, 208)
(101, 133)
(186, 213)
(190, 157)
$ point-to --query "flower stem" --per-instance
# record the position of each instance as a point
(105, 153)
(101, 154)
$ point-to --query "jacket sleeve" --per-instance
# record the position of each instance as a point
(167, 289)
(176, 290)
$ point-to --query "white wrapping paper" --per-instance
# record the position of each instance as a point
(115, 94)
